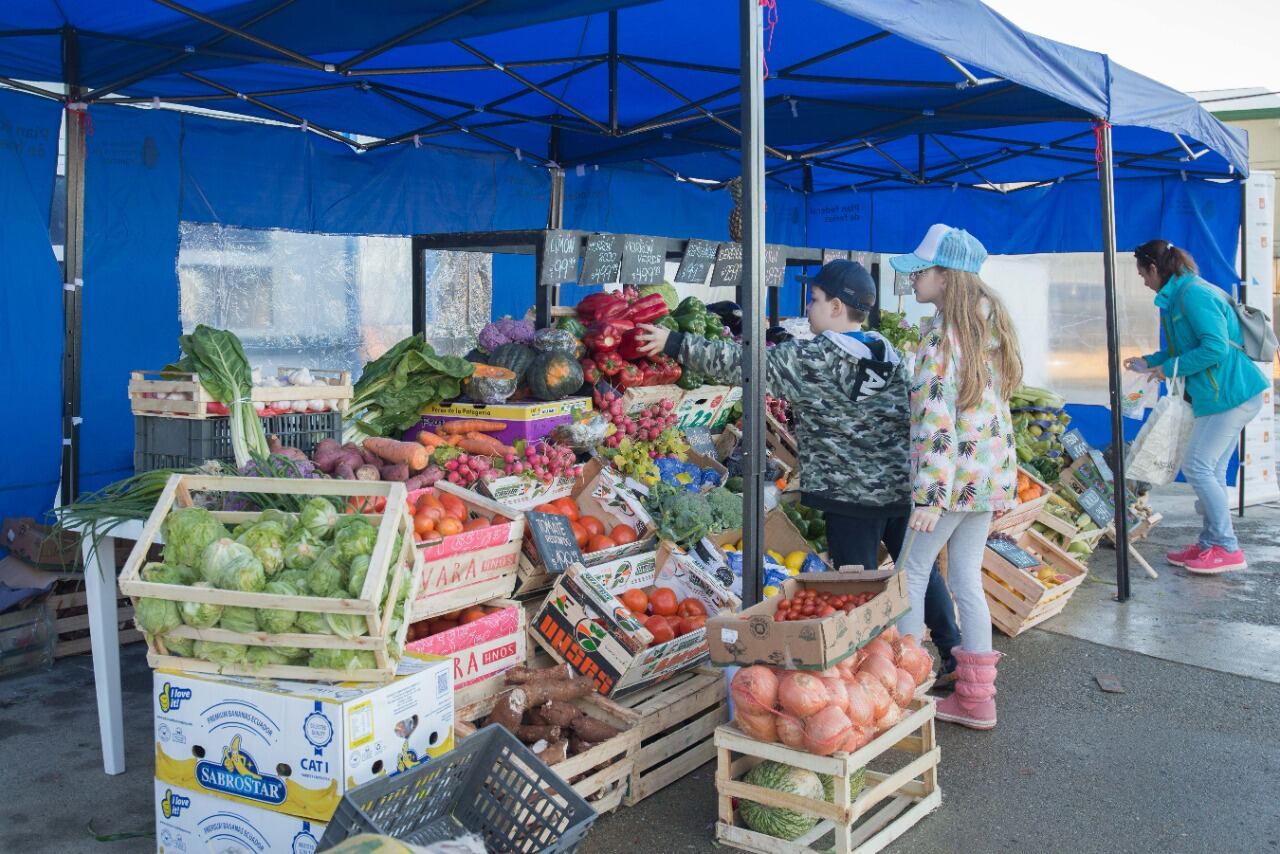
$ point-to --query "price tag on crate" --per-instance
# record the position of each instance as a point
(643, 263)
(1100, 509)
(1074, 444)
(1012, 553)
(699, 257)
(553, 537)
(728, 271)
(775, 266)
(559, 257)
(602, 260)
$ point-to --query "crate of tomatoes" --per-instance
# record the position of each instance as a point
(484, 641)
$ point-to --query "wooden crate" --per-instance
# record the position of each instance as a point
(178, 492)
(330, 386)
(1069, 532)
(677, 722)
(891, 802)
(600, 775)
(1021, 517)
(482, 651)
(72, 622)
(1018, 600)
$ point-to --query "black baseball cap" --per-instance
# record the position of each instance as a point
(847, 281)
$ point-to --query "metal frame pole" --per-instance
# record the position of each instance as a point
(1241, 292)
(73, 272)
(1107, 183)
(419, 279)
(753, 341)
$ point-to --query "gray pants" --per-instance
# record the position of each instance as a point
(965, 536)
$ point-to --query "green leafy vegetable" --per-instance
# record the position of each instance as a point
(221, 653)
(169, 573)
(346, 660)
(393, 389)
(218, 358)
(200, 615)
(188, 532)
(266, 541)
(236, 619)
(318, 518)
(325, 577)
(354, 540)
(277, 620)
(313, 624)
(157, 616)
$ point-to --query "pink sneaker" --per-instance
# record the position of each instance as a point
(1191, 552)
(1216, 560)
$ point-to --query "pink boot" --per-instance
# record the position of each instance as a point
(973, 704)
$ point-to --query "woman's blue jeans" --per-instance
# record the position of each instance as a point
(1213, 440)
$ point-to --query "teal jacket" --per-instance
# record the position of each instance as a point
(1199, 327)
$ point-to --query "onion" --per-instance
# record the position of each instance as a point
(904, 689)
(826, 732)
(801, 694)
(890, 634)
(879, 647)
(861, 710)
(883, 669)
(859, 737)
(880, 699)
(859, 656)
(837, 696)
(791, 731)
(889, 719)
(755, 690)
(846, 669)
(917, 662)
(759, 727)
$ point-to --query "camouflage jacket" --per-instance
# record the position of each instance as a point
(852, 417)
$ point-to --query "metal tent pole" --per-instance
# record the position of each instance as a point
(753, 349)
(1121, 522)
(1241, 292)
(73, 269)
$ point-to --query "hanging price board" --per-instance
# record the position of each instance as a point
(1074, 444)
(559, 258)
(699, 256)
(602, 260)
(643, 263)
(728, 271)
(775, 266)
(829, 255)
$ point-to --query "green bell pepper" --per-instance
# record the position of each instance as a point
(689, 380)
(668, 322)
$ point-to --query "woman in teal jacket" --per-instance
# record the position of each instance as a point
(1203, 346)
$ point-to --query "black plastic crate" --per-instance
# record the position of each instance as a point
(490, 784)
(160, 442)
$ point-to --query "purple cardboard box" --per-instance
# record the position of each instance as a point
(528, 420)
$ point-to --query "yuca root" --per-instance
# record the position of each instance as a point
(591, 730)
(556, 752)
(509, 708)
(521, 675)
(559, 714)
(546, 690)
(532, 734)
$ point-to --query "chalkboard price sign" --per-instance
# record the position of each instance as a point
(829, 255)
(699, 256)
(1012, 553)
(602, 260)
(1100, 509)
(775, 266)
(554, 540)
(1074, 444)
(559, 257)
(728, 271)
(643, 263)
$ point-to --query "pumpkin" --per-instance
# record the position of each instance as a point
(553, 376)
(514, 357)
(558, 341)
(491, 384)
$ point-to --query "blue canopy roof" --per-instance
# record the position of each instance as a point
(866, 92)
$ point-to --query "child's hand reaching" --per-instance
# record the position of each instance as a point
(652, 338)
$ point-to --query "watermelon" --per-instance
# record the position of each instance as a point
(776, 821)
(857, 780)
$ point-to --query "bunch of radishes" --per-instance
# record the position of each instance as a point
(778, 408)
(466, 469)
(644, 426)
(544, 461)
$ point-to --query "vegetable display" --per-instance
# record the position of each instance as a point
(686, 517)
(777, 821)
(393, 389)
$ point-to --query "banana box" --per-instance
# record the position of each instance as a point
(191, 822)
(297, 747)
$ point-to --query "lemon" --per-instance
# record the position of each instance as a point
(777, 557)
(795, 560)
(770, 590)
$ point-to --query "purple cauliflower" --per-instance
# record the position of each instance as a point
(506, 330)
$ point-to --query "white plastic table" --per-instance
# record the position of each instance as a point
(101, 594)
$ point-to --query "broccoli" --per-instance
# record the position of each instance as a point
(726, 508)
(683, 517)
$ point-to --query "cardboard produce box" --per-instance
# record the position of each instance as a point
(481, 651)
(189, 821)
(752, 637)
(582, 622)
(297, 747)
(701, 407)
(529, 420)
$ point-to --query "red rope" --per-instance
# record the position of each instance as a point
(81, 112)
(770, 26)
(1098, 127)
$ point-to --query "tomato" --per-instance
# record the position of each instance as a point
(826, 611)
(380, 505)
(593, 525)
(548, 508)
(453, 506)
(471, 615)
(690, 624)
(692, 608)
(580, 534)
(440, 625)
(780, 617)
(475, 524)
(599, 543)
(449, 526)
(660, 629)
(423, 525)
(664, 602)
(635, 600)
(568, 507)
(623, 534)
(784, 604)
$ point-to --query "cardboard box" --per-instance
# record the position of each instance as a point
(529, 420)
(700, 407)
(721, 416)
(525, 493)
(191, 822)
(38, 545)
(753, 637)
(583, 623)
(297, 747)
(481, 651)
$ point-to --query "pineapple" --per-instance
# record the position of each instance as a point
(735, 215)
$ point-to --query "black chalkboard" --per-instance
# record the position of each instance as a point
(1101, 463)
(728, 271)
(643, 263)
(699, 256)
(1010, 552)
(829, 255)
(553, 537)
(1100, 508)
(559, 257)
(602, 260)
(1074, 444)
(775, 266)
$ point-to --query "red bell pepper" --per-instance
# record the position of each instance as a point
(630, 293)
(630, 346)
(616, 310)
(609, 363)
(606, 335)
(590, 371)
(648, 309)
(590, 306)
(629, 376)
(668, 369)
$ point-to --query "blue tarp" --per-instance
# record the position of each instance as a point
(30, 306)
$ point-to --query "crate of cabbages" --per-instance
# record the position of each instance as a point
(299, 590)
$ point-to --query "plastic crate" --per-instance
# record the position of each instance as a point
(160, 443)
(490, 784)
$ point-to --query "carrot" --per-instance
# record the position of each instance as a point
(429, 440)
(474, 425)
(410, 453)
(495, 447)
(475, 446)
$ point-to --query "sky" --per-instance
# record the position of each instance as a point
(1220, 45)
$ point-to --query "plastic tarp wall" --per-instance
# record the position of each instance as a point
(30, 306)
(1202, 217)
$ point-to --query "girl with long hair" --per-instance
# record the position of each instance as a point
(965, 462)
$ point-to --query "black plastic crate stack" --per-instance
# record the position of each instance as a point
(161, 443)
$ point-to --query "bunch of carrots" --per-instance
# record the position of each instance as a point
(471, 436)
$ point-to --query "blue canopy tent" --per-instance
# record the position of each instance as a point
(865, 94)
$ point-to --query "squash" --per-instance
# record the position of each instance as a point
(558, 341)
(514, 357)
(491, 384)
(553, 376)
(572, 325)
(777, 821)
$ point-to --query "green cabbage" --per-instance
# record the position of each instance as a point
(217, 555)
(266, 541)
(301, 550)
(185, 647)
(188, 532)
(242, 620)
(277, 620)
(293, 653)
(169, 573)
(288, 520)
(325, 576)
(239, 530)
(776, 821)
(221, 653)
(295, 578)
(348, 625)
(200, 615)
(318, 517)
(354, 540)
(356, 574)
(260, 656)
(232, 566)
(156, 616)
(343, 659)
(313, 624)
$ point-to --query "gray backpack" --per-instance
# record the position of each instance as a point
(1259, 335)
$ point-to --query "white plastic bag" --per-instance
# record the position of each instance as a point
(1138, 392)
(1156, 454)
